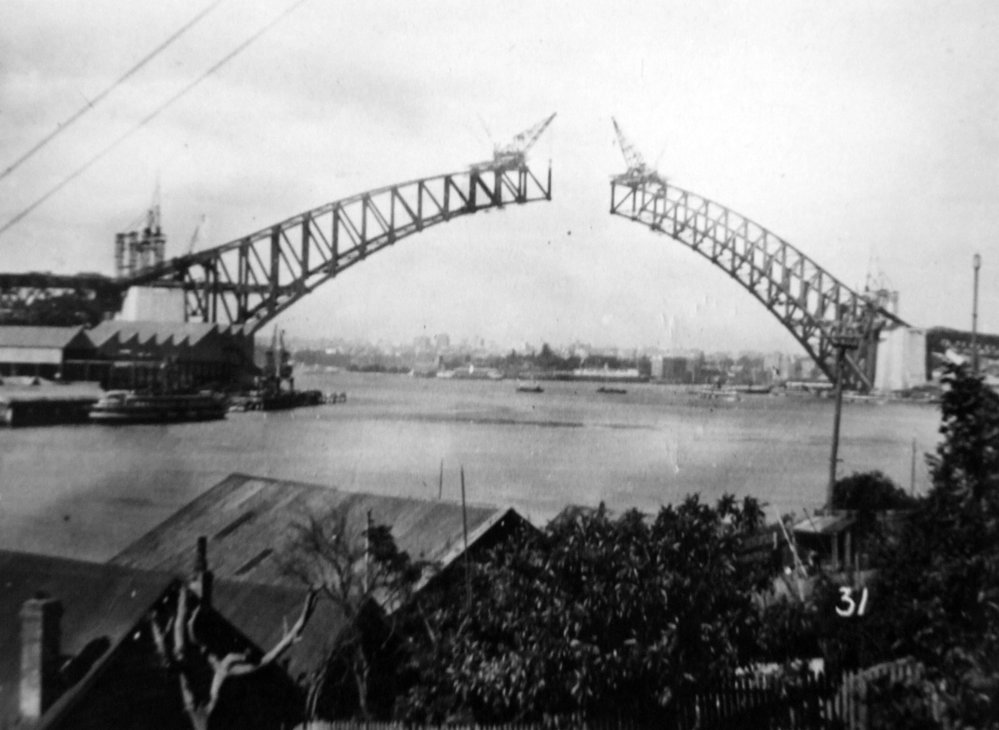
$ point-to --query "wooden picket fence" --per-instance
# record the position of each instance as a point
(807, 703)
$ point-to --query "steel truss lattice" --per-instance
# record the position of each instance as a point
(251, 280)
(813, 305)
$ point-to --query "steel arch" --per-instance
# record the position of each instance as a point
(253, 279)
(811, 303)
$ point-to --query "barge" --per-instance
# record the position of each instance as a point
(126, 406)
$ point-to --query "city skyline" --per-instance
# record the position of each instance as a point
(863, 136)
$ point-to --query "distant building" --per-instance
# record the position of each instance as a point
(169, 356)
(423, 345)
(901, 359)
(48, 352)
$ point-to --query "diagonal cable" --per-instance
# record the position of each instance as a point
(100, 97)
(148, 118)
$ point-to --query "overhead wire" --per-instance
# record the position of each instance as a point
(149, 117)
(101, 96)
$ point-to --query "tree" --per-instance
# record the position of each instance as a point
(203, 669)
(939, 589)
(594, 612)
(361, 570)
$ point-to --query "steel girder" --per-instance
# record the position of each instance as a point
(814, 306)
(251, 280)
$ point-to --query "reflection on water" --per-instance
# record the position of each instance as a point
(87, 491)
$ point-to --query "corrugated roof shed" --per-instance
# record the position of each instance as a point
(249, 522)
(102, 601)
(45, 337)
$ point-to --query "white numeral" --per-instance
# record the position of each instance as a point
(848, 607)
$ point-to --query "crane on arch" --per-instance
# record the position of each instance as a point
(638, 169)
(819, 310)
(513, 155)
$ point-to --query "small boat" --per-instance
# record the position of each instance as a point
(612, 391)
(530, 389)
(129, 406)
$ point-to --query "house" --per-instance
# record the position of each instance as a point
(77, 648)
(250, 524)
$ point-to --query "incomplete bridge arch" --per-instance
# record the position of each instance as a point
(253, 279)
(813, 305)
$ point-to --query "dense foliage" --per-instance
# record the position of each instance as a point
(593, 614)
(63, 310)
(940, 589)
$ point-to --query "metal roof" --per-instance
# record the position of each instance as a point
(156, 333)
(30, 336)
(249, 522)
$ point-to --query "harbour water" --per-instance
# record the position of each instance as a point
(87, 491)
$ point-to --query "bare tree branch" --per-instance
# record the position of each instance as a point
(182, 630)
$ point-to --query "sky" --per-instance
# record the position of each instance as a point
(865, 134)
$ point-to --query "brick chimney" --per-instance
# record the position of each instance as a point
(40, 650)
(203, 577)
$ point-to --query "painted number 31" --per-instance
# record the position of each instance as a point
(847, 606)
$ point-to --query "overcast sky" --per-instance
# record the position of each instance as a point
(866, 134)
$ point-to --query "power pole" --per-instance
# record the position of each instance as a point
(976, 262)
(843, 339)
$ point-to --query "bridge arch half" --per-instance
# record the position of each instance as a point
(251, 280)
(821, 312)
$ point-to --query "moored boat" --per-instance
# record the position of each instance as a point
(128, 406)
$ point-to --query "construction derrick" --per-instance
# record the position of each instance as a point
(514, 154)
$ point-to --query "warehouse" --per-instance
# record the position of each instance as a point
(48, 352)
(172, 356)
(133, 355)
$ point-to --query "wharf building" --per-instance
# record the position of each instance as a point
(153, 355)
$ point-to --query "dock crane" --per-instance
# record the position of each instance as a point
(514, 154)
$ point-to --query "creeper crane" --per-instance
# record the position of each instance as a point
(514, 154)
(638, 169)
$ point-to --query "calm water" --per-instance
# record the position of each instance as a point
(87, 491)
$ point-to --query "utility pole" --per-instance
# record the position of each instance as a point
(843, 339)
(976, 262)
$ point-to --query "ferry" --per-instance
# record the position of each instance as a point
(129, 406)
